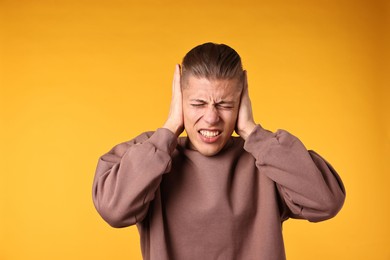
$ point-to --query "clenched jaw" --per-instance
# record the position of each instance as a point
(209, 136)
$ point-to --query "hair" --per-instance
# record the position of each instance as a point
(212, 61)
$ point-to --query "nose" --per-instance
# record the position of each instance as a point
(211, 115)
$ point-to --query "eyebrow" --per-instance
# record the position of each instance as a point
(225, 102)
(218, 103)
(198, 100)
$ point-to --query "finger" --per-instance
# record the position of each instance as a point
(244, 91)
(245, 82)
(176, 77)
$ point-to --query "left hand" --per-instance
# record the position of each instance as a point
(245, 122)
(175, 121)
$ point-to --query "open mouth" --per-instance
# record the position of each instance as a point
(209, 133)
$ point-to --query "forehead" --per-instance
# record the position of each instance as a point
(220, 88)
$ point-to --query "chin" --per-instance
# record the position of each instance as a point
(208, 151)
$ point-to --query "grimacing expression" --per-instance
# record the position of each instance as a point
(210, 110)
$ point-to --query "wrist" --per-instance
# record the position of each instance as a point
(247, 130)
(173, 128)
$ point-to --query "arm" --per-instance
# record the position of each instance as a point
(128, 176)
(308, 185)
(310, 188)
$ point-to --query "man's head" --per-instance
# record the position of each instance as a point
(213, 62)
(212, 80)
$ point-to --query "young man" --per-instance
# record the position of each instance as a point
(211, 195)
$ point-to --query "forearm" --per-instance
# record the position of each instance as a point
(309, 186)
(128, 176)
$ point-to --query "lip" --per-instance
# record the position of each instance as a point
(209, 140)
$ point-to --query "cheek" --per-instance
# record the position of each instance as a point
(230, 118)
(190, 116)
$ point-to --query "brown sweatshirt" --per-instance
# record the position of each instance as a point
(228, 206)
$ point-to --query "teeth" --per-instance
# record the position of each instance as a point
(206, 133)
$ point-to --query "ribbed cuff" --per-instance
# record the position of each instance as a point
(253, 143)
(164, 140)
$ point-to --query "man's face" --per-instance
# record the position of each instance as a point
(210, 109)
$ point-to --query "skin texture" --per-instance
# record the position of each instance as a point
(216, 106)
(212, 106)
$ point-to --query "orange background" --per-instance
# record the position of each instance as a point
(78, 77)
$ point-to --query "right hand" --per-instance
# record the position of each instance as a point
(245, 122)
(175, 121)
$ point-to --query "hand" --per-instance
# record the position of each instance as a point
(245, 122)
(175, 121)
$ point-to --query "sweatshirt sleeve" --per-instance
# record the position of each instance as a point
(309, 186)
(128, 176)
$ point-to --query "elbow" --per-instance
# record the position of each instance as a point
(114, 215)
(118, 210)
(329, 209)
(332, 209)
(116, 219)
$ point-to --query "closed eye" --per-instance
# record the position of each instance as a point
(225, 105)
(197, 105)
(197, 102)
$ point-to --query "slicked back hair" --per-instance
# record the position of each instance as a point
(213, 62)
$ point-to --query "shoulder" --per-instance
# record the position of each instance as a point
(122, 147)
(141, 137)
